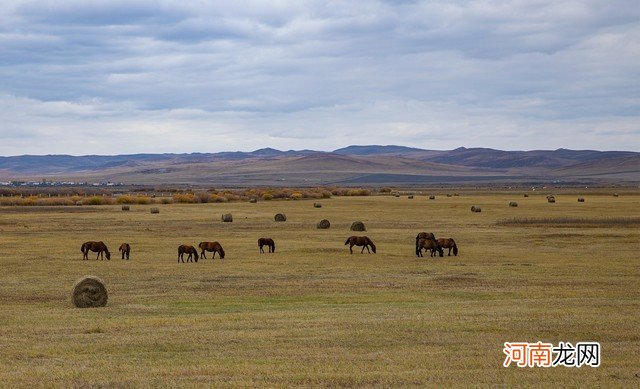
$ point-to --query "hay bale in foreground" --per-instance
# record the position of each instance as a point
(358, 226)
(89, 292)
(513, 204)
(280, 217)
(227, 218)
(581, 199)
(324, 224)
(317, 205)
(155, 210)
(475, 208)
(126, 208)
(432, 197)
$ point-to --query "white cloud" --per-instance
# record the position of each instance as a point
(162, 76)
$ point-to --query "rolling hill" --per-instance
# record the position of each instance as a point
(353, 165)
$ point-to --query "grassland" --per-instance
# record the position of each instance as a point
(311, 314)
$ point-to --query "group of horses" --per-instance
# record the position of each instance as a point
(102, 250)
(425, 241)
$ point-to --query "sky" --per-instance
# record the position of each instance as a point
(127, 76)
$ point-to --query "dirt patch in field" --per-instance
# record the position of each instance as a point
(457, 279)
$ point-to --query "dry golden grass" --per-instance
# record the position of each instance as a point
(311, 314)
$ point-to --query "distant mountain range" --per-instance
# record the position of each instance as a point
(353, 165)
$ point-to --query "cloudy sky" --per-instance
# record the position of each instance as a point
(123, 76)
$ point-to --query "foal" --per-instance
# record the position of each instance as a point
(125, 249)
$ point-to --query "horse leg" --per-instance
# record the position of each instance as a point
(351, 248)
(362, 251)
(449, 252)
(261, 250)
(367, 246)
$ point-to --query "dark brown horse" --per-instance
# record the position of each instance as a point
(125, 249)
(186, 249)
(96, 247)
(431, 245)
(211, 246)
(267, 242)
(423, 235)
(448, 243)
(363, 241)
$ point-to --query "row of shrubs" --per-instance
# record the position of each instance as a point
(211, 196)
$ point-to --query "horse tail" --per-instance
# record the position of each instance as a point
(455, 247)
(273, 246)
(417, 248)
(83, 247)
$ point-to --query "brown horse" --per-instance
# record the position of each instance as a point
(431, 245)
(186, 249)
(363, 241)
(423, 235)
(125, 249)
(448, 243)
(96, 247)
(211, 246)
(267, 242)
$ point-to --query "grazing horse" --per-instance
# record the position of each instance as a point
(186, 249)
(363, 241)
(267, 242)
(448, 243)
(211, 246)
(96, 247)
(423, 235)
(431, 245)
(125, 249)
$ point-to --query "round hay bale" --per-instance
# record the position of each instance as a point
(410, 197)
(280, 217)
(324, 224)
(227, 218)
(155, 210)
(526, 195)
(615, 195)
(358, 226)
(89, 292)
(126, 208)
(397, 194)
(513, 204)
(456, 194)
(475, 208)
(253, 200)
(449, 195)
(317, 205)
(432, 197)
(581, 199)
(551, 199)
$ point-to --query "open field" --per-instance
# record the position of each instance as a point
(311, 314)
